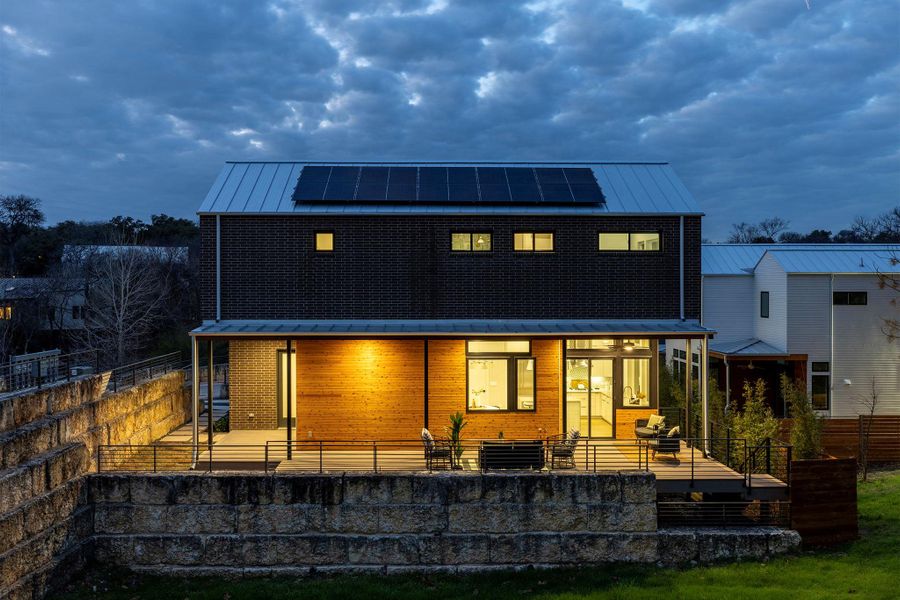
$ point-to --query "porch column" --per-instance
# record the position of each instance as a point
(195, 399)
(287, 393)
(688, 374)
(209, 397)
(704, 389)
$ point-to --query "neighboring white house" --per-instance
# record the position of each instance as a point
(813, 311)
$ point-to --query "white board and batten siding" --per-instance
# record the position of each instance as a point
(770, 277)
(862, 352)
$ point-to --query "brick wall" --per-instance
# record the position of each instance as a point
(252, 383)
(394, 267)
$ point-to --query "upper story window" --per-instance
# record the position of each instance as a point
(764, 305)
(6, 312)
(850, 298)
(629, 242)
(470, 242)
(324, 241)
(533, 242)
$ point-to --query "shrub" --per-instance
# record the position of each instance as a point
(806, 430)
(755, 422)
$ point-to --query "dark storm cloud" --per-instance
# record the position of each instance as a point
(764, 107)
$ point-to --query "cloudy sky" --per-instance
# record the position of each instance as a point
(764, 107)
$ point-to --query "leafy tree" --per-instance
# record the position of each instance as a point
(806, 429)
(755, 421)
(19, 215)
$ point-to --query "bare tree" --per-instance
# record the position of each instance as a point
(870, 404)
(743, 233)
(770, 228)
(125, 294)
(890, 280)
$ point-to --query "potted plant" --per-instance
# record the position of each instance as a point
(454, 433)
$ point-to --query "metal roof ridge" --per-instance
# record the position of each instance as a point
(449, 162)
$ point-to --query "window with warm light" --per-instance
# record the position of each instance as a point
(629, 242)
(324, 241)
(636, 382)
(6, 312)
(500, 375)
(533, 242)
(470, 242)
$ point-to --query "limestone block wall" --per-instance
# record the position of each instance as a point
(48, 442)
(243, 524)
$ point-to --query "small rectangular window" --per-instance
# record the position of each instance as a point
(525, 384)
(764, 305)
(614, 241)
(642, 242)
(821, 367)
(821, 391)
(498, 346)
(533, 242)
(850, 298)
(324, 241)
(470, 242)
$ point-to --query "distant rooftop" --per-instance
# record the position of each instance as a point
(550, 188)
(741, 259)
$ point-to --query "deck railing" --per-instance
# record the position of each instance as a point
(45, 368)
(750, 513)
(143, 370)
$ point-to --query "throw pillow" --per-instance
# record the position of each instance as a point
(656, 421)
(674, 432)
(427, 438)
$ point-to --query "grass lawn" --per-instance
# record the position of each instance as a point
(868, 568)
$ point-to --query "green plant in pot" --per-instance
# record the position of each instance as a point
(454, 432)
(806, 431)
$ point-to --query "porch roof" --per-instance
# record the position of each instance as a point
(449, 327)
(749, 347)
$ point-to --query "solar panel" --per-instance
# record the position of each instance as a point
(433, 184)
(554, 186)
(311, 184)
(402, 184)
(492, 181)
(373, 183)
(523, 186)
(342, 183)
(447, 185)
(463, 185)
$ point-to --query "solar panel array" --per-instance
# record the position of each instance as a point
(447, 185)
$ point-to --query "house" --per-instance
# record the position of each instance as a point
(814, 312)
(364, 301)
(51, 303)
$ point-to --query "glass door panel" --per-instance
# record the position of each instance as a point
(601, 397)
(577, 395)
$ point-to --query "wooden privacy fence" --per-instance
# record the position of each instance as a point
(823, 500)
(843, 438)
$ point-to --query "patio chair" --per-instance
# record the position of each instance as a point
(649, 428)
(667, 442)
(562, 449)
(438, 453)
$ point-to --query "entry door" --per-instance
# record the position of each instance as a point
(283, 398)
(589, 396)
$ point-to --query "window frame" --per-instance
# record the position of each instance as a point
(316, 241)
(764, 307)
(847, 298)
(471, 249)
(628, 249)
(533, 233)
(812, 384)
(512, 379)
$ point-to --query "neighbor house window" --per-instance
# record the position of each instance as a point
(764, 305)
(850, 298)
(633, 242)
(533, 242)
(324, 241)
(500, 375)
(821, 385)
(6, 312)
(470, 242)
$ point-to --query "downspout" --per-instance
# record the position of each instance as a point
(704, 390)
(218, 268)
(831, 377)
(681, 265)
(727, 384)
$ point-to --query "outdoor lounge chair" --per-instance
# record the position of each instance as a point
(438, 453)
(643, 431)
(667, 442)
(562, 450)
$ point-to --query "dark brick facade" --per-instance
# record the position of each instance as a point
(396, 267)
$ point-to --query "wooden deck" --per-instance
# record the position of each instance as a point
(689, 471)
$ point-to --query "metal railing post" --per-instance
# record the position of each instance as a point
(210, 459)
(374, 456)
(99, 457)
(266, 458)
(320, 456)
(692, 465)
(154, 458)
(768, 456)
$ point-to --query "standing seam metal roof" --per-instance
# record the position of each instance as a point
(741, 259)
(629, 187)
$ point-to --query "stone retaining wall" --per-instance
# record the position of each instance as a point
(299, 524)
(48, 442)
